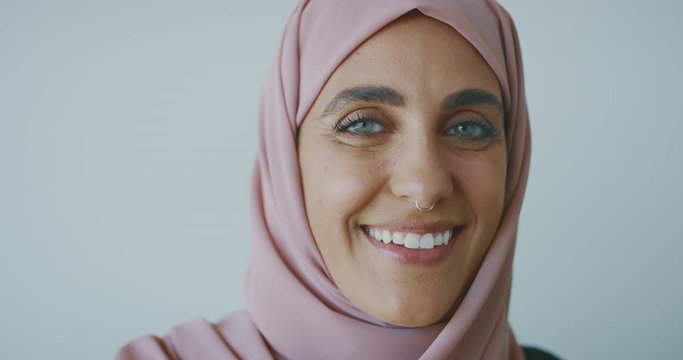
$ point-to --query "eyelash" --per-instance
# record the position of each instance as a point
(343, 126)
(490, 132)
(346, 123)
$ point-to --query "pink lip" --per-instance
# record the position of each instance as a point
(414, 256)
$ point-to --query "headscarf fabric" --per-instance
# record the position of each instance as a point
(294, 310)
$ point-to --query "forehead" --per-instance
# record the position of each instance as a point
(418, 56)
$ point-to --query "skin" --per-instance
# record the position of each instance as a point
(397, 152)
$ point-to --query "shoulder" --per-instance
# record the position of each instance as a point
(147, 347)
(534, 353)
(232, 337)
(168, 347)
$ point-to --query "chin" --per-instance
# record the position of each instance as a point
(410, 315)
(411, 320)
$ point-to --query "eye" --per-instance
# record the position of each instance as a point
(360, 124)
(364, 126)
(472, 129)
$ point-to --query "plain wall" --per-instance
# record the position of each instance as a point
(127, 138)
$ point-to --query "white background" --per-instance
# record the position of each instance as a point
(127, 135)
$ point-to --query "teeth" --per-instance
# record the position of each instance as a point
(438, 239)
(386, 236)
(398, 238)
(411, 240)
(427, 241)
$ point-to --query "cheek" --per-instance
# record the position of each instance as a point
(337, 182)
(482, 180)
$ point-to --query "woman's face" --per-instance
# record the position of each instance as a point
(414, 114)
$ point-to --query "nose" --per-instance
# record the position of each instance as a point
(421, 174)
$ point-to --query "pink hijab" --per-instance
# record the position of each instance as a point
(294, 309)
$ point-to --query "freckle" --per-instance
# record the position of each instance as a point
(325, 168)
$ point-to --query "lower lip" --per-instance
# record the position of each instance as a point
(404, 255)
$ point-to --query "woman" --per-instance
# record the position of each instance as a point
(394, 150)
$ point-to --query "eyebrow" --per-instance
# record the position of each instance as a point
(389, 96)
(471, 97)
(373, 94)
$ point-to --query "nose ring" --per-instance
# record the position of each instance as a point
(417, 205)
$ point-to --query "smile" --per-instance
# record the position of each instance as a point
(414, 247)
(410, 240)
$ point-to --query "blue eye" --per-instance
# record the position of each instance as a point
(360, 125)
(472, 130)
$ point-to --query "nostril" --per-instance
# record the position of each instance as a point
(422, 192)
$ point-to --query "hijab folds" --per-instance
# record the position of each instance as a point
(294, 310)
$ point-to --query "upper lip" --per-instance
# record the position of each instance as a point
(414, 227)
